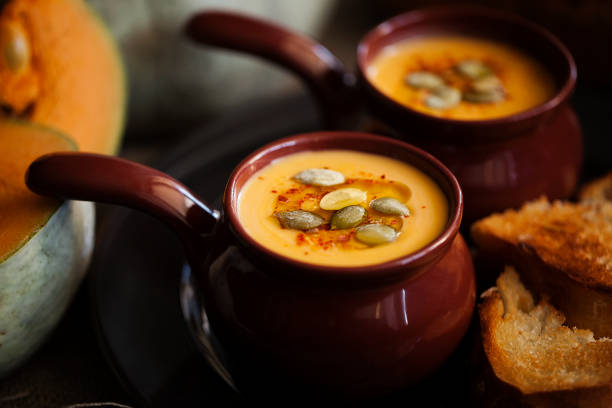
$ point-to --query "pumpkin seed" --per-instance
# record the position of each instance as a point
(320, 177)
(488, 84)
(473, 69)
(444, 97)
(489, 89)
(484, 97)
(341, 198)
(14, 46)
(424, 80)
(375, 234)
(390, 206)
(348, 217)
(299, 220)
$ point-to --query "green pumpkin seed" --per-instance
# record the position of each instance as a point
(444, 97)
(489, 89)
(299, 220)
(341, 198)
(389, 206)
(348, 217)
(473, 69)
(14, 46)
(375, 234)
(424, 80)
(320, 177)
(488, 84)
(484, 97)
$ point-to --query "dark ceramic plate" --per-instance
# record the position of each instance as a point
(134, 285)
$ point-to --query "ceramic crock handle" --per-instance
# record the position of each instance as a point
(105, 179)
(324, 74)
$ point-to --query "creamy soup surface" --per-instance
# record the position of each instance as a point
(514, 80)
(273, 192)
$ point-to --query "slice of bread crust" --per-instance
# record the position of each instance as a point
(561, 249)
(597, 190)
(529, 348)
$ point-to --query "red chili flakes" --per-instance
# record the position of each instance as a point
(260, 178)
(343, 238)
(273, 191)
(323, 237)
(423, 206)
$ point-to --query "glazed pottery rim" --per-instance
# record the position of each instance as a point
(389, 26)
(314, 141)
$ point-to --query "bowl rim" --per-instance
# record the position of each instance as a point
(420, 16)
(402, 265)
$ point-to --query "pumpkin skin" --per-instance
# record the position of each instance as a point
(60, 67)
(45, 245)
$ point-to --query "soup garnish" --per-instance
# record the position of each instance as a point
(476, 83)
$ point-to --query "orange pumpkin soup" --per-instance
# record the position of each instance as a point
(464, 78)
(342, 208)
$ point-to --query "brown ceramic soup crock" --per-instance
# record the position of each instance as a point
(500, 163)
(287, 324)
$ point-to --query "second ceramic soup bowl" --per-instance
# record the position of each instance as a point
(500, 162)
(284, 323)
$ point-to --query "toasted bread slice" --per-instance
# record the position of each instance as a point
(597, 190)
(529, 348)
(561, 249)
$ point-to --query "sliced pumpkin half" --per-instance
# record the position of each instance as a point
(60, 67)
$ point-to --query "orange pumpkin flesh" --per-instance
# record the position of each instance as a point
(23, 213)
(59, 67)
